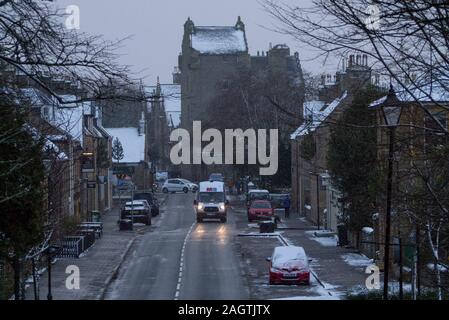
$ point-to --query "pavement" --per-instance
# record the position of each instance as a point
(97, 266)
(335, 269)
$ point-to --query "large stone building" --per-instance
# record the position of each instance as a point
(212, 54)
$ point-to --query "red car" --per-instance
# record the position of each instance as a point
(289, 265)
(260, 210)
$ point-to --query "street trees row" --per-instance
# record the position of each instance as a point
(22, 218)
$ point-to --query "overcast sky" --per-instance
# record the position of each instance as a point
(156, 27)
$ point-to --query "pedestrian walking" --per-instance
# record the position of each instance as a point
(287, 206)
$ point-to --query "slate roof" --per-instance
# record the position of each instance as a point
(218, 40)
(315, 113)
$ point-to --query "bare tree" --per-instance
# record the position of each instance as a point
(407, 41)
(34, 42)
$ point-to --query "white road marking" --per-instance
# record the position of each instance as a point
(181, 262)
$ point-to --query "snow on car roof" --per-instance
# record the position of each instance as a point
(287, 253)
(258, 191)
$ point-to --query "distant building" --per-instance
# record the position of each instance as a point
(213, 53)
(127, 119)
(164, 115)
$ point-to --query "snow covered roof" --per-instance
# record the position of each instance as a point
(49, 145)
(219, 40)
(316, 112)
(258, 191)
(69, 117)
(133, 144)
(36, 97)
(172, 101)
(422, 94)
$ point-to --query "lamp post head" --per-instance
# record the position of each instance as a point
(392, 108)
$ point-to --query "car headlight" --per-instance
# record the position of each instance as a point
(200, 206)
(222, 206)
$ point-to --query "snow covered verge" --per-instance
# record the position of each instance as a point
(326, 241)
(357, 260)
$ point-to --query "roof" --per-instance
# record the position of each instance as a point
(37, 98)
(70, 119)
(258, 191)
(286, 253)
(315, 113)
(218, 40)
(49, 145)
(214, 186)
(172, 101)
(425, 93)
(133, 144)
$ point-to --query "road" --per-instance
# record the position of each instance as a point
(180, 259)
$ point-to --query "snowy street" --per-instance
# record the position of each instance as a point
(180, 259)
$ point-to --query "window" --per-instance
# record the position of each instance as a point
(435, 136)
(45, 113)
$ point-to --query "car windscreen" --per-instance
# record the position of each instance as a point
(259, 195)
(135, 205)
(211, 197)
(261, 205)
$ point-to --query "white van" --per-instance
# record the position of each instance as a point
(210, 202)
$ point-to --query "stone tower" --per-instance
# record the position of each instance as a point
(211, 54)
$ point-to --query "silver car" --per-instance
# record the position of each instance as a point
(178, 185)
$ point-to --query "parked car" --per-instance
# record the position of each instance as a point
(260, 210)
(176, 185)
(277, 200)
(138, 211)
(151, 199)
(192, 186)
(216, 177)
(289, 265)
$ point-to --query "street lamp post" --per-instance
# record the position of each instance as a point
(391, 110)
(51, 251)
(317, 175)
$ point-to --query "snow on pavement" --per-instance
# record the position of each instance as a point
(357, 260)
(330, 241)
